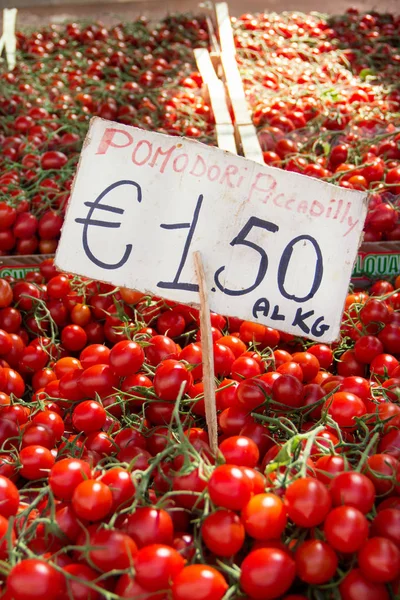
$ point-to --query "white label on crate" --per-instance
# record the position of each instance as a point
(278, 247)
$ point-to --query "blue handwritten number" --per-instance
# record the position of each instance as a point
(176, 284)
(240, 240)
(284, 263)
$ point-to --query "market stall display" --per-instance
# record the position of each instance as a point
(111, 486)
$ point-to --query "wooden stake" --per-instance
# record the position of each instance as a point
(8, 41)
(245, 131)
(208, 354)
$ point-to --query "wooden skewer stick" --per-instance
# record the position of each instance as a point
(208, 354)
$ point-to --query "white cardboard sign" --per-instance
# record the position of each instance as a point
(278, 247)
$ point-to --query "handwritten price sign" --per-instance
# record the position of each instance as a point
(278, 247)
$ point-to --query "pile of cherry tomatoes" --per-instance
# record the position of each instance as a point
(325, 99)
(108, 485)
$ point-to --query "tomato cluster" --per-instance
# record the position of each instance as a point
(108, 484)
(324, 100)
(109, 487)
(133, 73)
